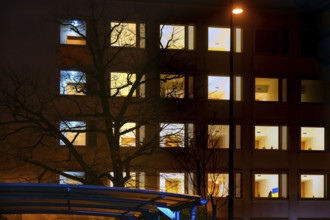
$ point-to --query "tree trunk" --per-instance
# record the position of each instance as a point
(214, 212)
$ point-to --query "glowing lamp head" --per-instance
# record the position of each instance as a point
(237, 11)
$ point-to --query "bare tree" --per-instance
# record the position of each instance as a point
(101, 103)
(206, 165)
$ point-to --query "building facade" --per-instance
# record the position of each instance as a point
(178, 112)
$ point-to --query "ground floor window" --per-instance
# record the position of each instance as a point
(217, 184)
(74, 132)
(137, 180)
(67, 180)
(172, 182)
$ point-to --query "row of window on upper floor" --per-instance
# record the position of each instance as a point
(180, 86)
(179, 36)
(266, 185)
(122, 34)
(266, 137)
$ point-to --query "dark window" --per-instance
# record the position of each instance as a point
(266, 41)
(309, 42)
(272, 41)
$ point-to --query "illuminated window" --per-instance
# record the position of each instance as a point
(219, 88)
(131, 135)
(176, 86)
(177, 37)
(172, 182)
(172, 86)
(238, 136)
(127, 35)
(74, 132)
(72, 32)
(266, 89)
(312, 138)
(72, 83)
(122, 83)
(219, 39)
(268, 137)
(312, 186)
(68, 180)
(238, 85)
(217, 184)
(176, 135)
(137, 180)
(128, 135)
(218, 136)
(270, 185)
(312, 91)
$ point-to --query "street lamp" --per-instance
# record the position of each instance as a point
(237, 10)
(231, 190)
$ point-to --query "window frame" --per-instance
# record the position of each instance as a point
(237, 141)
(187, 84)
(281, 89)
(237, 181)
(189, 38)
(210, 132)
(325, 187)
(76, 79)
(140, 34)
(139, 134)
(139, 180)
(63, 179)
(238, 88)
(310, 149)
(282, 41)
(280, 183)
(320, 93)
(162, 181)
(237, 36)
(282, 139)
(187, 183)
(66, 25)
(62, 127)
(260, 89)
(187, 130)
(126, 86)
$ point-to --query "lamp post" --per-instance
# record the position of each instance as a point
(231, 190)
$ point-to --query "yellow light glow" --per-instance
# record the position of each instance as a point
(237, 11)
